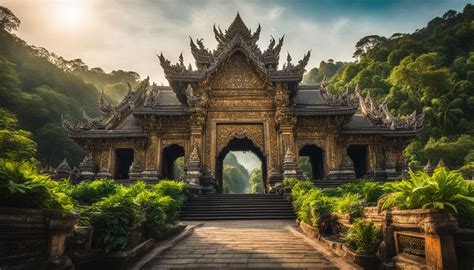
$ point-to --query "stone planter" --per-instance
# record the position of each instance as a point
(345, 219)
(35, 239)
(372, 214)
(309, 230)
(368, 262)
(428, 232)
(82, 239)
(123, 259)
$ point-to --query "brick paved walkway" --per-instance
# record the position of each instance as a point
(242, 244)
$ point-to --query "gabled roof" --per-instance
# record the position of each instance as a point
(237, 37)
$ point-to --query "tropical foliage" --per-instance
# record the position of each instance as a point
(443, 190)
(363, 237)
(431, 71)
(22, 186)
(115, 211)
(38, 86)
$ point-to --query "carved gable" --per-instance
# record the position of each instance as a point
(236, 73)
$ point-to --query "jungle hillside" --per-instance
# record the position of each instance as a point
(430, 71)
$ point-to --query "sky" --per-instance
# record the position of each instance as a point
(128, 34)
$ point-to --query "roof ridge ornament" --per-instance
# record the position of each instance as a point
(380, 115)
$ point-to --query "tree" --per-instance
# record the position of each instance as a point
(15, 144)
(366, 43)
(236, 178)
(256, 181)
(8, 20)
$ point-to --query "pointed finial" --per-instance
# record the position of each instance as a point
(441, 164)
(288, 58)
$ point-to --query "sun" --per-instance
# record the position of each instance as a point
(72, 13)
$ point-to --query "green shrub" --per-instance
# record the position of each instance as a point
(354, 187)
(303, 204)
(300, 188)
(363, 237)
(90, 192)
(177, 190)
(372, 191)
(321, 210)
(444, 190)
(155, 222)
(171, 208)
(22, 186)
(112, 218)
(349, 204)
(290, 182)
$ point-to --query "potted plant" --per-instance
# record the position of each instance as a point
(362, 241)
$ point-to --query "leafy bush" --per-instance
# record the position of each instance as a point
(303, 208)
(290, 182)
(321, 210)
(444, 190)
(171, 208)
(155, 222)
(91, 192)
(372, 192)
(177, 190)
(22, 186)
(363, 237)
(112, 218)
(349, 204)
(300, 188)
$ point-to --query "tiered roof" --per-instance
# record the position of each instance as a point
(237, 37)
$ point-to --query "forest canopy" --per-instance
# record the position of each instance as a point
(431, 71)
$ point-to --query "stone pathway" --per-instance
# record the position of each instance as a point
(243, 244)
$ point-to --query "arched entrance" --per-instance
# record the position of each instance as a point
(359, 156)
(123, 161)
(170, 155)
(239, 144)
(314, 161)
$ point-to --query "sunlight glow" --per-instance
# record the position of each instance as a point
(72, 13)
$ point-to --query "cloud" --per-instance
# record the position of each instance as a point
(128, 34)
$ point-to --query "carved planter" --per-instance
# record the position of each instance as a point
(35, 239)
(368, 262)
(427, 233)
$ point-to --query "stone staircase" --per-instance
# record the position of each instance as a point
(236, 207)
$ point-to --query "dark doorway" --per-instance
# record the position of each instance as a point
(358, 154)
(123, 161)
(312, 161)
(237, 144)
(170, 155)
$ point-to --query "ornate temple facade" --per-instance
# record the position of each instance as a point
(237, 98)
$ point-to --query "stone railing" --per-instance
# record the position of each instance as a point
(32, 238)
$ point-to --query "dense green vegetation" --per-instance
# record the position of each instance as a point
(444, 189)
(38, 86)
(115, 211)
(236, 178)
(430, 70)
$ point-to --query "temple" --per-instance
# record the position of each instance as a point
(237, 98)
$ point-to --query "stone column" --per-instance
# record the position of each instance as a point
(105, 167)
(152, 168)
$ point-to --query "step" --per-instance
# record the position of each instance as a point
(237, 217)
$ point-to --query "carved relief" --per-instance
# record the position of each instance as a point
(237, 73)
(226, 132)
